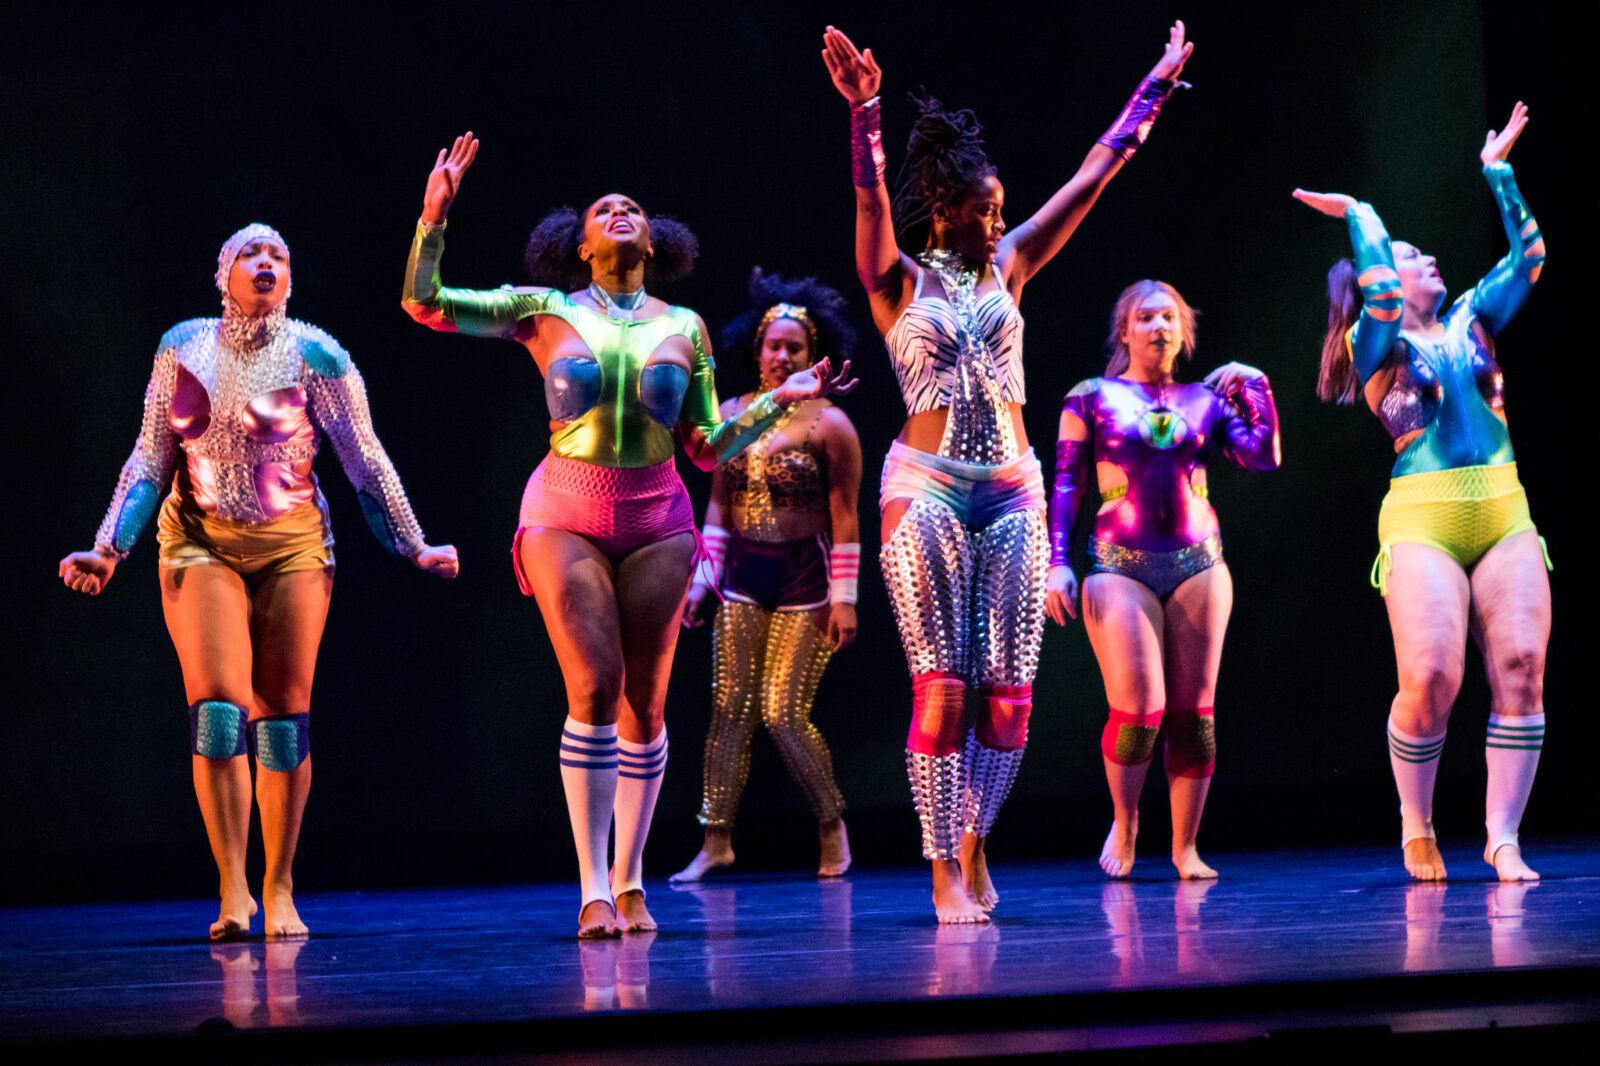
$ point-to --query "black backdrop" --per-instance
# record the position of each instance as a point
(138, 139)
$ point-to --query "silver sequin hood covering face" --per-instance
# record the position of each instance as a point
(243, 401)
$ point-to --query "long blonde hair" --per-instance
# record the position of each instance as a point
(1127, 303)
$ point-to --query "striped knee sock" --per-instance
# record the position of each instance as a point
(1512, 752)
(589, 777)
(639, 770)
(1415, 761)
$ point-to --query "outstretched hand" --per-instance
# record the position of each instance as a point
(1175, 55)
(1496, 146)
(855, 73)
(1329, 203)
(86, 571)
(444, 181)
(442, 560)
(814, 382)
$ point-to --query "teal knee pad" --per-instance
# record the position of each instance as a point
(281, 743)
(216, 729)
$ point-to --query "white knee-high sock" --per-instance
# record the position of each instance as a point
(589, 776)
(1512, 752)
(1415, 761)
(639, 771)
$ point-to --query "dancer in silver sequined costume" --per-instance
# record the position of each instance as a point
(965, 549)
(232, 416)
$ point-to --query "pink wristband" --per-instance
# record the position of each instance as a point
(844, 566)
(709, 572)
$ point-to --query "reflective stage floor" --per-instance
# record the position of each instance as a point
(1319, 946)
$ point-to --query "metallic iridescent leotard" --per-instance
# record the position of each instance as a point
(1162, 529)
(243, 399)
(1454, 486)
(617, 407)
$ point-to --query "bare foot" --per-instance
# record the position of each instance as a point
(1423, 860)
(632, 914)
(975, 872)
(950, 900)
(233, 917)
(598, 920)
(1508, 864)
(835, 843)
(1116, 854)
(1190, 868)
(282, 918)
(702, 864)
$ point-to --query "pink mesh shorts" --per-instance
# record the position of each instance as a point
(619, 509)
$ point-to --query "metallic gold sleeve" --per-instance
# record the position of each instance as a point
(149, 468)
(339, 408)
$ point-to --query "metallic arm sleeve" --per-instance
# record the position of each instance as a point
(1378, 328)
(716, 441)
(1250, 427)
(866, 145)
(480, 313)
(339, 408)
(148, 470)
(1138, 116)
(1074, 468)
(1500, 294)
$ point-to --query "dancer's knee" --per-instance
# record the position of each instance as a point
(937, 700)
(1129, 738)
(1191, 742)
(1518, 680)
(281, 742)
(1003, 720)
(217, 729)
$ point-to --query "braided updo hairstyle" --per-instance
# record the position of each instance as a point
(551, 254)
(944, 166)
(824, 307)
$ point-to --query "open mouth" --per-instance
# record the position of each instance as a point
(264, 281)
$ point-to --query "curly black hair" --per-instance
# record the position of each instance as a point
(551, 254)
(945, 165)
(823, 304)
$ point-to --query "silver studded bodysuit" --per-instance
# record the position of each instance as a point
(243, 402)
(966, 566)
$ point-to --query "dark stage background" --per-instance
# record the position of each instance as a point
(138, 139)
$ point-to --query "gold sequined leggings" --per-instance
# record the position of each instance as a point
(765, 666)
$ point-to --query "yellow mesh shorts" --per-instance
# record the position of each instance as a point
(1463, 512)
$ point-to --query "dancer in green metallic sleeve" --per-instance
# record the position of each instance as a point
(1458, 549)
(605, 539)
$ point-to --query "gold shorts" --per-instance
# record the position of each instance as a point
(302, 539)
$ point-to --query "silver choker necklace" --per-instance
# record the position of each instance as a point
(622, 306)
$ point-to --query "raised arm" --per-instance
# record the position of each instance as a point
(339, 408)
(1249, 430)
(1375, 332)
(1500, 295)
(885, 272)
(481, 313)
(1026, 249)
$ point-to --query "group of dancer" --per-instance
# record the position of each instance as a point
(973, 557)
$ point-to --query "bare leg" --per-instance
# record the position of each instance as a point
(1511, 622)
(1428, 602)
(1126, 626)
(207, 609)
(1197, 619)
(573, 583)
(651, 584)
(288, 612)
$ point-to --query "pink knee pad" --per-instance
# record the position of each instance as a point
(1130, 739)
(1003, 723)
(937, 699)
(1191, 742)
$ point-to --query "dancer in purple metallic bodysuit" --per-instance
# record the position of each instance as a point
(1158, 594)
